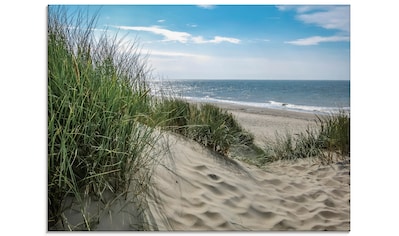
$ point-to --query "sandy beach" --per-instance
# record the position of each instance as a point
(196, 189)
(265, 123)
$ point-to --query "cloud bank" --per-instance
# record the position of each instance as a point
(182, 37)
(335, 18)
(315, 40)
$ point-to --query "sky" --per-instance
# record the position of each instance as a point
(310, 42)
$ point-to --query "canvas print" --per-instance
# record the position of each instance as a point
(198, 117)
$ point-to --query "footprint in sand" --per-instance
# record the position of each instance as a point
(213, 176)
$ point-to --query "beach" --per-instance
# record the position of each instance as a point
(197, 189)
(265, 123)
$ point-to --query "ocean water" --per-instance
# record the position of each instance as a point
(297, 95)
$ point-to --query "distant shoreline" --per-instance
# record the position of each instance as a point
(309, 96)
(260, 110)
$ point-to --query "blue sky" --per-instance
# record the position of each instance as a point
(237, 41)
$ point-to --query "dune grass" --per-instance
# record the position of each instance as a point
(330, 137)
(96, 96)
(207, 124)
(335, 132)
(216, 128)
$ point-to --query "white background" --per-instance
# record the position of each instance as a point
(374, 120)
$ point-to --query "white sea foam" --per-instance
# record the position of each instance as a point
(274, 105)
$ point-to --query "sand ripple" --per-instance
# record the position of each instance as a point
(204, 192)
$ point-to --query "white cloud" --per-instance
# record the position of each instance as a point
(169, 35)
(182, 37)
(216, 39)
(219, 39)
(334, 18)
(315, 40)
(328, 17)
(209, 7)
(299, 8)
(161, 21)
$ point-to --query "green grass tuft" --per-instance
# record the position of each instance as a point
(216, 128)
(332, 136)
(207, 124)
(335, 132)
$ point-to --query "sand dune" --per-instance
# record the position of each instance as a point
(197, 189)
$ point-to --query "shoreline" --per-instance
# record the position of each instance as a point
(305, 109)
(264, 111)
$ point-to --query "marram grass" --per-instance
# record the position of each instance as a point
(206, 124)
(330, 137)
(96, 95)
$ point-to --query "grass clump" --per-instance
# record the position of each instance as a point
(216, 128)
(335, 133)
(172, 114)
(290, 147)
(331, 136)
(207, 124)
(96, 95)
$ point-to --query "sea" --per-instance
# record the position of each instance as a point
(312, 96)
